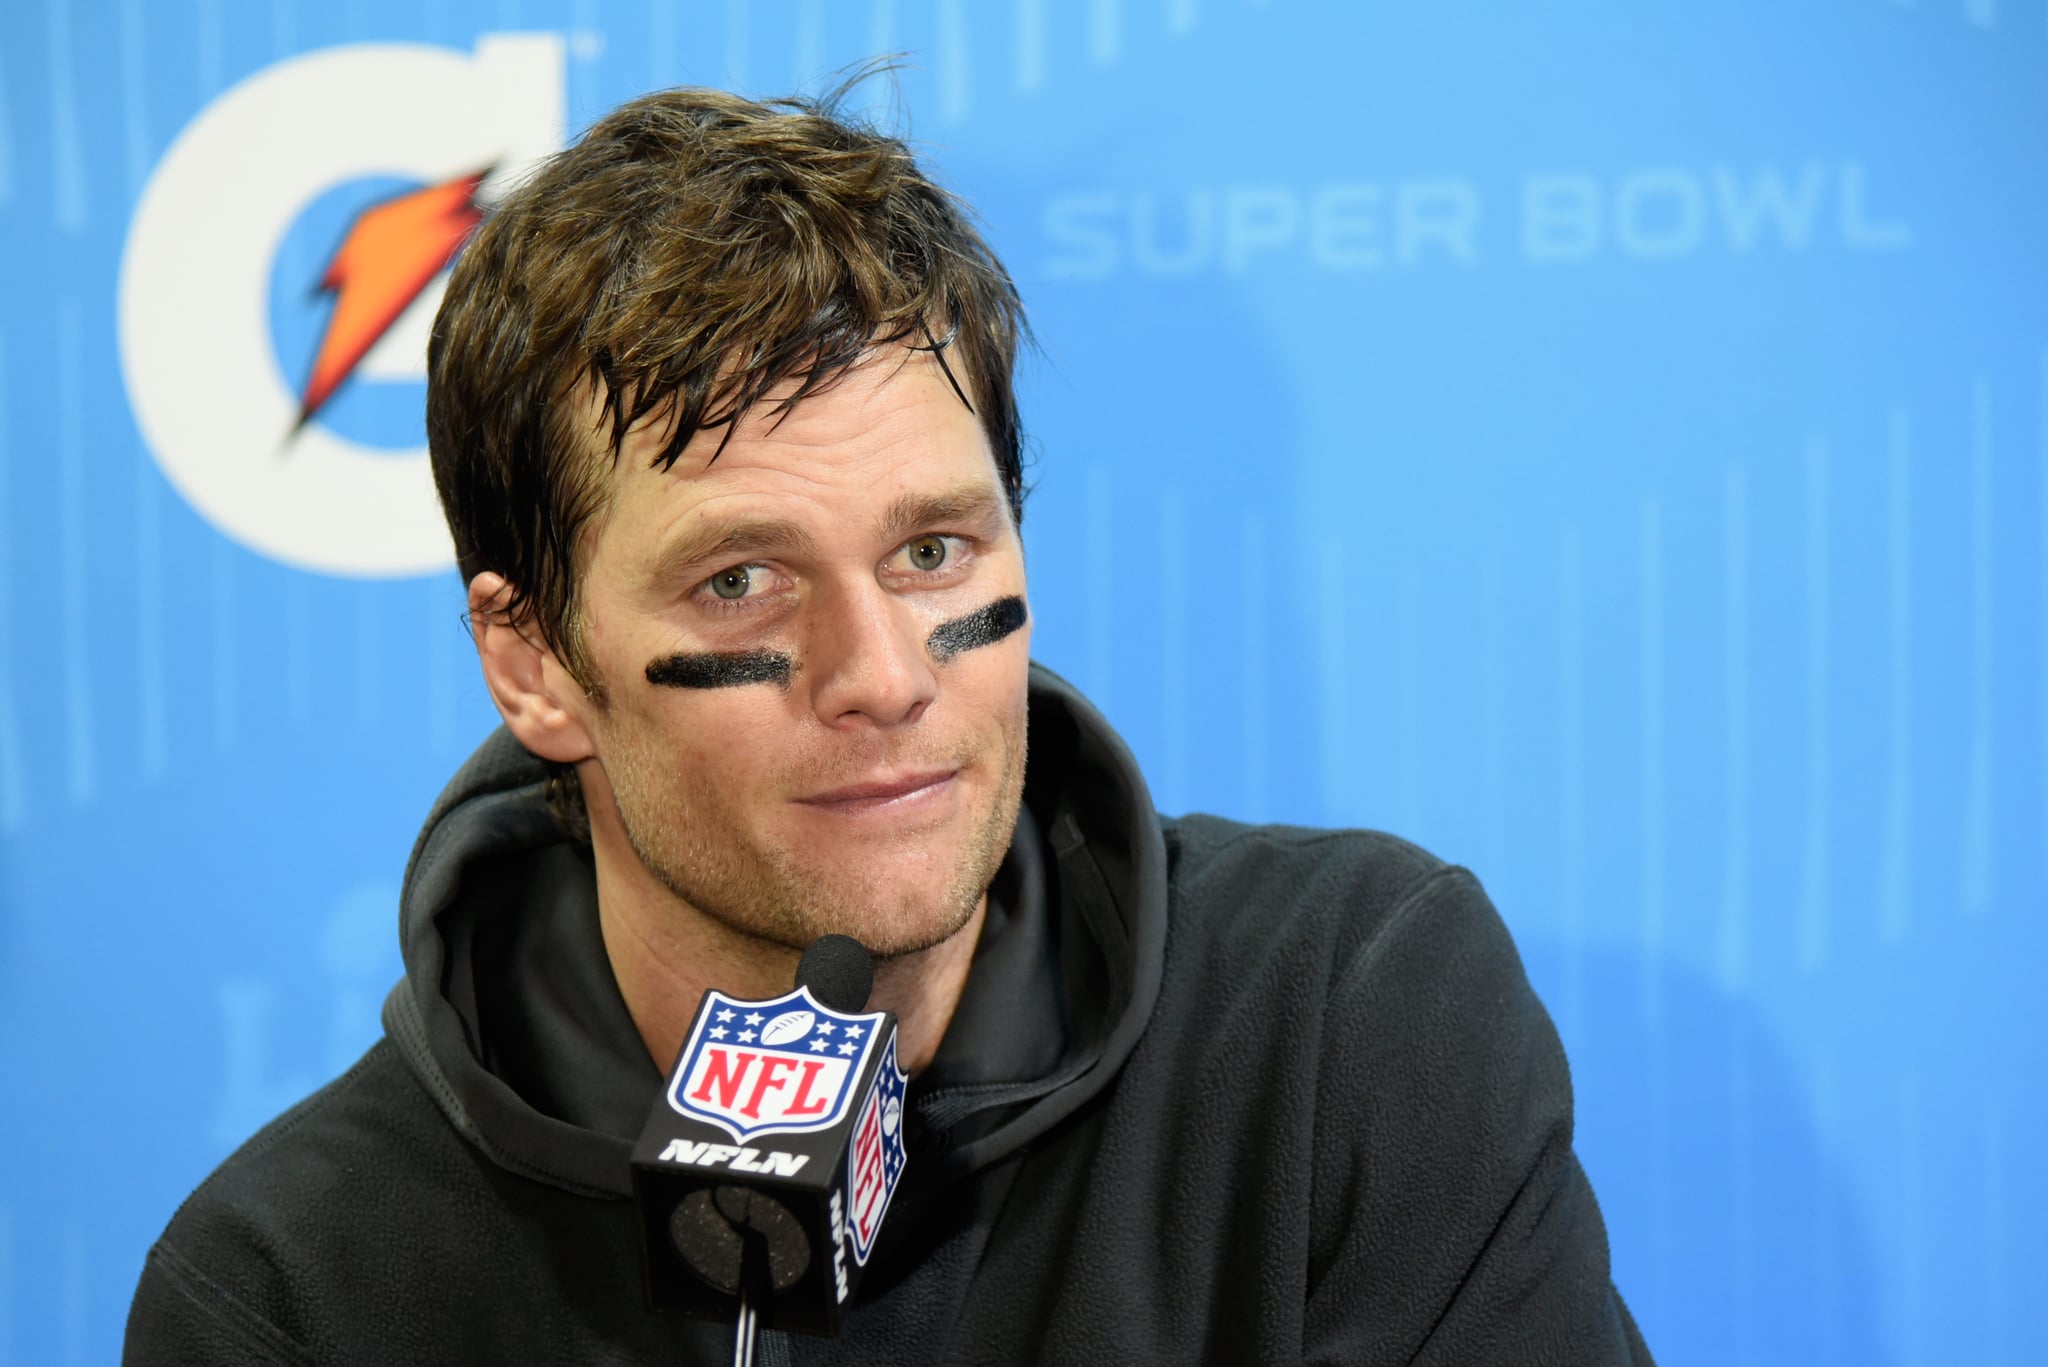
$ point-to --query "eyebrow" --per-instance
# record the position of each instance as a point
(962, 505)
(726, 543)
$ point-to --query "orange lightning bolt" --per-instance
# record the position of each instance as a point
(390, 254)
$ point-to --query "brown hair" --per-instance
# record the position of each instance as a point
(691, 253)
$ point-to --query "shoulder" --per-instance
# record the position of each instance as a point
(369, 1127)
(1395, 964)
(1348, 1081)
(1344, 897)
(1371, 997)
(250, 1256)
(1376, 980)
(1204, 845)
(1365, 972)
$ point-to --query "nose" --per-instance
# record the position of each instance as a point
(867, 660)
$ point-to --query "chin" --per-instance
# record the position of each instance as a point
(909, 895)
(907, 931)
(892, 916)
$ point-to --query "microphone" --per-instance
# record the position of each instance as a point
(763, 1172)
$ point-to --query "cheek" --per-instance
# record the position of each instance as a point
(992, 682)
(698, 740)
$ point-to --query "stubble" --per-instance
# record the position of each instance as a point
(703, 852)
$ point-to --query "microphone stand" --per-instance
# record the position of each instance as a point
(754, 1291)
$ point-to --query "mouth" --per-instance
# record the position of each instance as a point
(893, 793)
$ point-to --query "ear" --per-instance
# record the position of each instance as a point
(541, 702)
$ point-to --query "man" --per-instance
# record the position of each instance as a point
(721, 415)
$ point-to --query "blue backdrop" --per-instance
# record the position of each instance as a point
(1607, 443)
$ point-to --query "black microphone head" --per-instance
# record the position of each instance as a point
(766, 1165)
(839, 971)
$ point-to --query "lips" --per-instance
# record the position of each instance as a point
(882, 792)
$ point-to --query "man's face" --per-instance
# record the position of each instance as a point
(812, 655)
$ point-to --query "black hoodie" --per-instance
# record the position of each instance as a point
(1214, 1093)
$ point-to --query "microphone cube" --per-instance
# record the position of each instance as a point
(781, 1127)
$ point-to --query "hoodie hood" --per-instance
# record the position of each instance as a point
(491, 853)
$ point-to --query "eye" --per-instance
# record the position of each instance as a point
(744, 592)
(735, 581)
(928, 552)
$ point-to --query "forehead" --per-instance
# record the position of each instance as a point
(890, 428)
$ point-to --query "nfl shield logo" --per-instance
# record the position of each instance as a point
(877, 1159)
(775, 1067)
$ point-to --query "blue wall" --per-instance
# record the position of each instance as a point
(1608, 445)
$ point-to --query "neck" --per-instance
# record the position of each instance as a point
(665, 954)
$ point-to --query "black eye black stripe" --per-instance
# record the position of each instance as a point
(730, 670)
(735, 669)
(983, 627)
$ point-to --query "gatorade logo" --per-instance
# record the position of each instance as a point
(281, 274)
